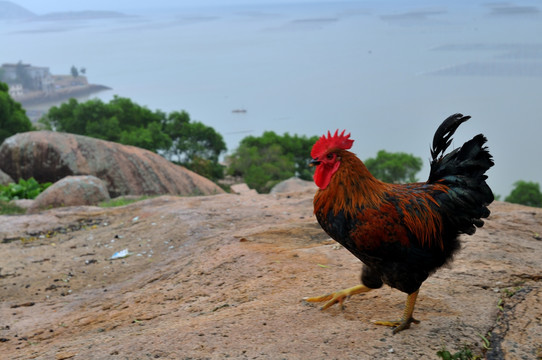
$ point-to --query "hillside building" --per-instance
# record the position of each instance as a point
(30, 78)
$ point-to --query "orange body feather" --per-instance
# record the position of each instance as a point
(383, 212)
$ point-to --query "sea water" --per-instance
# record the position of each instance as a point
(388, 72)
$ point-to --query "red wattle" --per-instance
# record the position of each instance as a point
(323, 174)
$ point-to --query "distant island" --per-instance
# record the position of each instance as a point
(80, 15)
(12, 11)
(31, 85)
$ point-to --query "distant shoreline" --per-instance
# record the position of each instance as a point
(40, 97)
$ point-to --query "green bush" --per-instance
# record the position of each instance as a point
(463, 354)
(24, 189)
(398, 167)
(266, 160)
(13, 117)
(525, 193)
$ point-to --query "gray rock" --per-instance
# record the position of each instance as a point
(294, 184)
(127, 170)
(71, 191)
(23, 203)
(243, 189)
(5, 178)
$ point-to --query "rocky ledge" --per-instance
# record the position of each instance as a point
(214, 277)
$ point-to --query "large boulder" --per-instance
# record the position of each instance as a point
(71, 191)
(243, 189)
(294, 184)
(5, 178)
(127, 170)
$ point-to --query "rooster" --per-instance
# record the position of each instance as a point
(401, 232)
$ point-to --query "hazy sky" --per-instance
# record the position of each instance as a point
(41, 7)
(387, 71)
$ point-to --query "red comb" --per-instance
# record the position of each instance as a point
(337, 141)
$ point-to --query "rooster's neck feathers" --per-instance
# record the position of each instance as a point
(351, 187)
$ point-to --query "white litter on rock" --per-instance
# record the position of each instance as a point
(120, 254)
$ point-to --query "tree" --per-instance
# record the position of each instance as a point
(13, 118)
(264, 161)
(74, 71)
(396, 167)
(195, 145)
(299, 147)
(120, 120)
(525, 193)
(191, 144)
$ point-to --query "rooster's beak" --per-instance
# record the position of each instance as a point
(314, 162)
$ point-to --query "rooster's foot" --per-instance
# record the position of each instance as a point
(399, 325)
(407, 318)
(338, 297)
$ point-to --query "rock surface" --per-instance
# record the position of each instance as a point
(127, 170)
(71, 191)
(223, 276)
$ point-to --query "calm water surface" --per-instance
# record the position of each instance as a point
(388, 74)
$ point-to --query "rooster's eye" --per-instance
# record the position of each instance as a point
(330, 156)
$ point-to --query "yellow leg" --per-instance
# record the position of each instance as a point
(407, 318)
(339, 296)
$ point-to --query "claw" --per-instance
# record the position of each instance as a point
(338, 297)
(398, 325)
(407, 318)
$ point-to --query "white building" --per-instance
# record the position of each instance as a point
(15, 90)
(28, 76)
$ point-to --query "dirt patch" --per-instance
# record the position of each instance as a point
(223, 276)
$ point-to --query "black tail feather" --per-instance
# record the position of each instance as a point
(444, 133)
(470, 160)
(463, 171)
